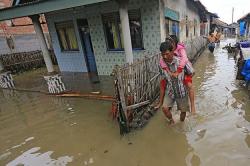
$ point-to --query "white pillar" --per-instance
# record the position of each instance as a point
(44, 48)
(123, 10)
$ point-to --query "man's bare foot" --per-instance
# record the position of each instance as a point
(171, 122)
(193, 111)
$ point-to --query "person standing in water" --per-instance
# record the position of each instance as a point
(185, 64)
(211, 39)
(175, 90)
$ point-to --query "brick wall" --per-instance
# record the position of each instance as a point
(17, 26)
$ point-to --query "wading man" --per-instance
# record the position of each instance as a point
(175, 89)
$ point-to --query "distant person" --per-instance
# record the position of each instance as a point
(180, 52)
(211, 39)
(218, 37)
(175, 90)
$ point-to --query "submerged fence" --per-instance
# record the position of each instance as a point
(136, 86)
(23, 61)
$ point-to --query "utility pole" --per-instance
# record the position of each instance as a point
(233, 15)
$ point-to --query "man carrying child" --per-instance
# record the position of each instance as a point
(175, 89)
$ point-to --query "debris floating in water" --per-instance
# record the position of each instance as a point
(73, 124)
(91, 161)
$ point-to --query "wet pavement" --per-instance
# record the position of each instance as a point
(39, 130)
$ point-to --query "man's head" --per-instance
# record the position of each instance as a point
(167, 51)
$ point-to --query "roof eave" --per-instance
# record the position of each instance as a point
(42, 7)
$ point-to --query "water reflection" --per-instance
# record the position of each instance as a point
(219, 139)
(33, 157)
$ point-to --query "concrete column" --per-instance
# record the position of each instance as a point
(6, 80)
(123, 10)
(55, 84)
(40, 35)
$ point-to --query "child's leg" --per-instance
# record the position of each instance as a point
(191, 96)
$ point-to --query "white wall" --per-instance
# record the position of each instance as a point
(184, 10)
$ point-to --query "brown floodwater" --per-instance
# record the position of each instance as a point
(40, 130)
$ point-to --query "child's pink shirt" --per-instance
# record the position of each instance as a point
(180, 52)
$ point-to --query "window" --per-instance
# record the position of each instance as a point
(172, 27)
(113, 30)
(195, 24)
(187, 30)
(202, 29)
(66, 35)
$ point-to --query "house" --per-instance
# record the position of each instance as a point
(244, 25)
(94, 35)
(221, 26)
(191, 18)
(234, 29)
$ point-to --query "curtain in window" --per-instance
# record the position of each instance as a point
(63, 39)
(121, 35)
(115, 36)
(72, 38)
(113, 29)
(67, 37)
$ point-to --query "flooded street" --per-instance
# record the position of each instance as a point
(38, 130)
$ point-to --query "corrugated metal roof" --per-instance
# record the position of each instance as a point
(41, 6)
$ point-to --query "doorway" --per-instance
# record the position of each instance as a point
(88, 50)
(87, 45)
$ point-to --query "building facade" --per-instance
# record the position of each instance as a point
(150, 22)
(89, 38)
(102, 24)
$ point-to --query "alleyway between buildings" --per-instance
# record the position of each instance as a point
(39, 130)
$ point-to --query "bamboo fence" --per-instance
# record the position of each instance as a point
(24, 61)
(136, 86)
